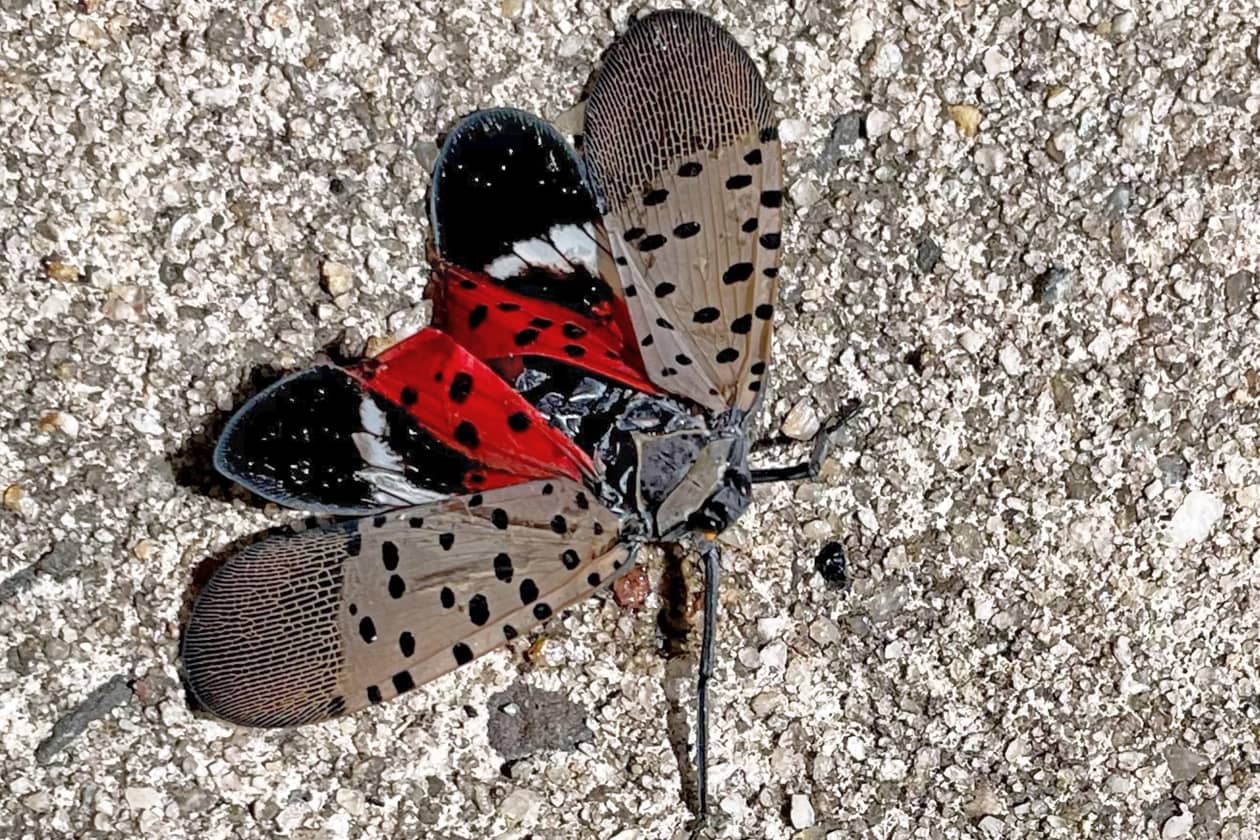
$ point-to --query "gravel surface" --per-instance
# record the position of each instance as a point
(1028, 239)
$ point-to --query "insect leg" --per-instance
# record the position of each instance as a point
(712, 557)
(822, 441)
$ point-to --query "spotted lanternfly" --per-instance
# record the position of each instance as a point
(600, 339)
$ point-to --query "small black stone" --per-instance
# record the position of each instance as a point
(831, 564)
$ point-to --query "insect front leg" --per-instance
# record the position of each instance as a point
(822, 442)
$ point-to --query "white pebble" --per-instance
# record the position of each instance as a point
(804, 193)
(990, 159)
(1178, 825)
(878, 123)
(1193, 521)
(140, 798)
(802, 421)
(971, 341)
(817, 529)
(1010, 359)
(520, 806)
(992, 826)
(887, 60)
(856, 747)
(792, 131)
(801, 811)
(996, 62)
(774, 655)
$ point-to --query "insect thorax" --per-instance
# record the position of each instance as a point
(677, 469)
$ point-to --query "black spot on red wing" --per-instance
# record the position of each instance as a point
(367, 629)
(354, 544)
(478, 609)
(403, 682)
(764, 311)
(749, 225)
(529, 591)
(727, 355)
(664, 289)
(690, 169)
(416, 522)
(389, 555)
(654, 197)
(446, 541)
(574, 351)
(467, 284)
(466, 433)
(651, 243)
(518, 421)
(499, 517)
(526, 337)
(509, 632)
(753, 158)
(633, 233)
(397, 586)
(737, 273)
(738, 182)
(477, 315)
(742, 325)
(374, 694)
(542, 612)
(461, 387)
(408, 395)
(757, 369)
(406, 644)
(540, 323)
(503, 567)
(474, 478)
(687, 230)
(508, 306)
(462, 653)
(707, 315)
(593, 579)
(447, 597)
(573, 331)
(771, 198)
(570, 559)
(770, 241)
(437, 377)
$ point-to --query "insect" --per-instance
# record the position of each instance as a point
(601, 335)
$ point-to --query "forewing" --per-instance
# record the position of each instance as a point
(316, 624)
(683, 151)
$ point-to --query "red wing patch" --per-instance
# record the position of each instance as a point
(464, 404)
(495, 323)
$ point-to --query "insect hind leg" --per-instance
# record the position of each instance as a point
(822, 442)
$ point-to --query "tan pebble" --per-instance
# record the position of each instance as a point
(61, 271)
(13, 495)
(338, 279)
(966, 117)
